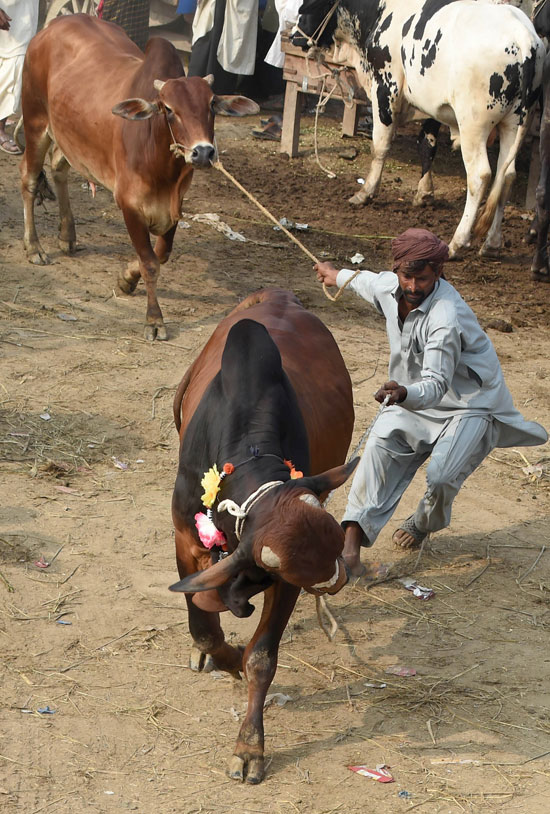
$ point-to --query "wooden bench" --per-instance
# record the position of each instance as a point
(305, 75)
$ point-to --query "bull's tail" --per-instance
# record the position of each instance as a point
(485, 217)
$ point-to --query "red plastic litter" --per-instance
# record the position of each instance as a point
(397, 670)
(381, 775)
(41, 563)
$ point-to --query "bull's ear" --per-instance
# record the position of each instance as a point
(235, 106)
(329, 480)
(135, 109)
(212, 577)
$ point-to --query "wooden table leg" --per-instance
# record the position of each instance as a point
(292, 111)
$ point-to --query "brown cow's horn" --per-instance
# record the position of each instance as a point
(269, 557)
(158, 84)
(209, 79)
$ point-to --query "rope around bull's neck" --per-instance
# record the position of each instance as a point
(219, 166)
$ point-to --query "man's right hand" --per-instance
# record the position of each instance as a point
(396, 392)
(4, 20)
(326, 273)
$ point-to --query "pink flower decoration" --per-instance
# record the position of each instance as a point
(209, 535)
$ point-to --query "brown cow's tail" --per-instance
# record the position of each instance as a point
(178, 398)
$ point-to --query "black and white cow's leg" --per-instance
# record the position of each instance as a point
(478, 174)
(427, 148)
(507, 135)
(209, 645)
(260, 664)
(148, 268)
(60, 172)
(37, 142)
(382, 136)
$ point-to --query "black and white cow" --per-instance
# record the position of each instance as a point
(473, 66)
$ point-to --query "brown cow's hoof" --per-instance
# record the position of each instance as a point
(254, 769)
(200, 662)
(152, 332)
(67, 246)
(39, 258)
(490, 251)
(127, 286)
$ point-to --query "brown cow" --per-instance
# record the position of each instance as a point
(269, 387)
(78, 72)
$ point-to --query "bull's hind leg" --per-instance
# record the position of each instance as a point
(209, 645)
(60, 172)
(37, 142)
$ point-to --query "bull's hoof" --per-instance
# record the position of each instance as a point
(67, 246)
(200, 662)
(152, 332)
(252, 770)
(359, 199)
(38, 257)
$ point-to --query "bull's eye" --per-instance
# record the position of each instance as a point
(168, 110)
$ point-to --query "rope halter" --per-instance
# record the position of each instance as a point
(241, 512)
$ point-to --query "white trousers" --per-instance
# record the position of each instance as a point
(394, 451)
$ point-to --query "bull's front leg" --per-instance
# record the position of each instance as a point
(382, 136)
(260, 665)
(148, 268)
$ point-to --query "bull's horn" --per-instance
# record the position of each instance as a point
(158, 84)
(269, 557)
(332, 581)
(209, 79)
(212, 577)
(311, 500)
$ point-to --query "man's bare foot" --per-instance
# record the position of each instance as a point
(352, 547)
(408, 536)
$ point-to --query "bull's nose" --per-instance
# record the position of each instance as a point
(202, 155)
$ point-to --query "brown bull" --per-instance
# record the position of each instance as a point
(78, 72)
(269, 388)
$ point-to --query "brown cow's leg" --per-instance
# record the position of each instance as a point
(163, 245)
(149, 266)
(60, 172)
(260, 664)
(209, 640)
(37, 143)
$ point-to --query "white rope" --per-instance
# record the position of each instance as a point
(241, 512)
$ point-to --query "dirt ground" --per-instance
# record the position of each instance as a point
(88, 462)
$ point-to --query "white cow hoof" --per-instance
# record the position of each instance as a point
(359, 199)
(490, 251)
(423, 198)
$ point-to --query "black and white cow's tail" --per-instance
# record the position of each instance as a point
(528, 98)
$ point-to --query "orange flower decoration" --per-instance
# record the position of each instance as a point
(294, 473)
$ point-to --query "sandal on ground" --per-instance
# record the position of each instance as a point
(8, 145)
(417, 536)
